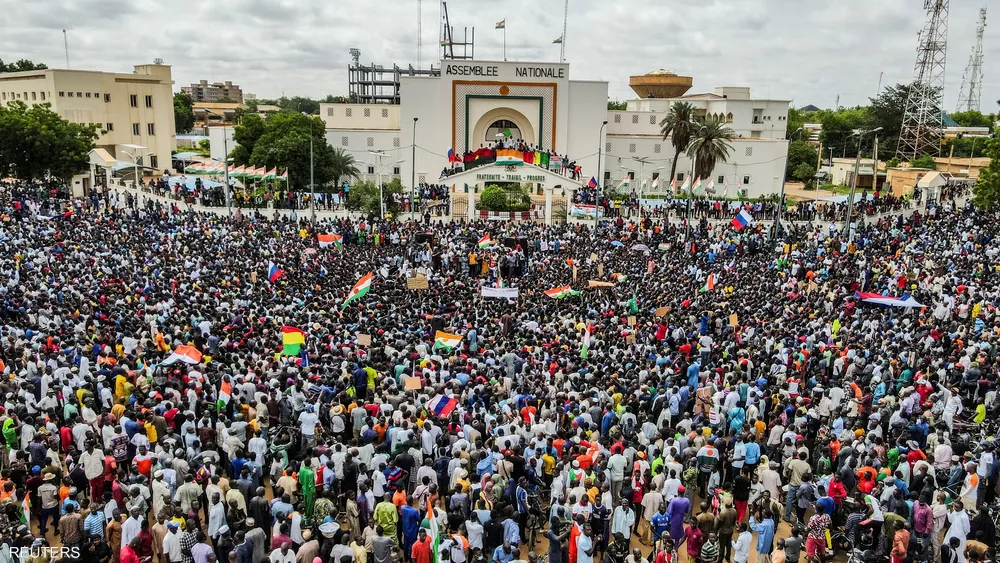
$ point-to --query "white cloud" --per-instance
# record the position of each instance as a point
(803, 50)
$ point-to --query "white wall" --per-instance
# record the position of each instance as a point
(362, 116)
(359, 143)
(426, 99)
(217, 149)
(587, 103)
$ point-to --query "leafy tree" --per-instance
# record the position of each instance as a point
(892, 163)
(924, 161)
(973, 119)
(710, 145)
(282, 141)
(986, 192)
(35, 142)
(226, 100)
(680, 126)
(344, 166)
(20, 66)
(804, 172)
(838, 127)
(505, 197)
(799, 152)
(364, 196)
(183, 112)
(796, 118)
(617, 106)
(886, 111)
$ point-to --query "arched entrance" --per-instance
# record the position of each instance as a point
(486, 128)
(499, 128)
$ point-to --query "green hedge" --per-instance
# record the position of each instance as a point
(508, 197)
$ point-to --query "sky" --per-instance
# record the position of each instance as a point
(805, 51)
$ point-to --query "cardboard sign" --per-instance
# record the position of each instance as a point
(630, 339)
(734, 320)
(364, 340)
(417, 282)
(412, 384)
(600, 270)
(661, 312)
(593, 257)
(574, 272)
(631, 320)
(595, 283)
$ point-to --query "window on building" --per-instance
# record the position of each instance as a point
(149, 101)
(79, 94)
(371, 169)
(70, 94)
(421, 178)
(329, 112)
(371, 142)
(368, 112)
(43, 96)
(34, 96)
(631, 147)
(110, 126)
(151, 128)
(729, 117)
(607, 147)
(746, 180)
(133, 100)
(3, 95)
(348, 112)
(135, 128)
(395, 142)
(631, 175)
(88, 94)
(656, 175)
(97, 95)
(344, 141)
(395, 170)
(63, 94)
(680, 176)
(607, 176)
(652, 120)
(721, 179)
(107, 98)
(618, 118)
(19, 95)
(656, 148)
(635, 119)
(385, 113)
(749, 151)
(153, 161)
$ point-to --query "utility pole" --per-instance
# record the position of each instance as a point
(66, 47)
(413, 170)
(600, 178)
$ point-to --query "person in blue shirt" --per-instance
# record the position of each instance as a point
(751, 456)
(660, 522)
(410, 519)
(607, 421)
(765, 533)
(825, 501)
(504, 553)
(693, 370)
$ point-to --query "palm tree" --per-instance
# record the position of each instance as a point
(680, 126)
(710, 145)
(343, 165)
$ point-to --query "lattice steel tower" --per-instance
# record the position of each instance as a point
(972, 80)
(922, 131)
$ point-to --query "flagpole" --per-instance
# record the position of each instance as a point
(505, 39)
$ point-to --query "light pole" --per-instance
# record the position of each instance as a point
(781, 195)
(413, 170)
(690, 194)
(135, 156)
(380, 167)
(854, 181)
(225, 160)
(600, 178)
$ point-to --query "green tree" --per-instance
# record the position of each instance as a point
(892, 163)
(799, 152)
(505, 197)
(680, 126)
(20, 66)
(35, 142)
(710, 145)
(838, 129)
(886, 111)
(615, 105)
(796, 118)
(973, 119)
(986, 192)
(183, 112)
(343, 165)
(364, 196)
(924, 161)
(226, 100)
(282, 141)
(804, 172)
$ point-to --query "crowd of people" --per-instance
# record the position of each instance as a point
(180, 388)
(523, 153)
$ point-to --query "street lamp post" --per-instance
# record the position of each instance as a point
(781, 195)
(600, 178)
(854, 181)
(378, 176)
(413, 170)
(135, 156)
(225, 161)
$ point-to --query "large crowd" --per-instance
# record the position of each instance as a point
(642, 393)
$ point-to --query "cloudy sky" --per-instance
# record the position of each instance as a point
(803, 50)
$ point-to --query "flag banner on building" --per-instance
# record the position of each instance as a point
(725, 189)
(292, 340)
(555, 162)
(656, 184)
(502, 24)
(626, 182)
(184, 354)
(542, 160)
(673, 186)
(441, 405)
(500, 293)
(445, 41)
(742, 219)
(333, 239)
(709, 283)
(272, 175)
(359, 290)
(581, 210)
(446, 340)
(710, 189)
(451, 155)
(585, 350)
(592, 183)
(696, 187)
(486, 241)
(509, 157)
(557, 40)
(685, 186)
(274, 273)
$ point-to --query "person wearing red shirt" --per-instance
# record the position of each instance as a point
(421, 550)
(128, 553)
(836, 490)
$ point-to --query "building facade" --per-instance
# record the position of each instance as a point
(204, 91)
(134, 109)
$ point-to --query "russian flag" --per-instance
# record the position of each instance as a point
(442, 405)
(592, 183)
(274, 272)
(742, 219)
(451, 155)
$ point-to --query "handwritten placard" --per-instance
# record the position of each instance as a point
(364, 340)
(417, 282)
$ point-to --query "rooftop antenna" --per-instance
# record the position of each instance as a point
(66, 47)
(420, 28)
(972, 81)
(562, 46)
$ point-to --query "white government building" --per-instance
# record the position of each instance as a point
(471, 101)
